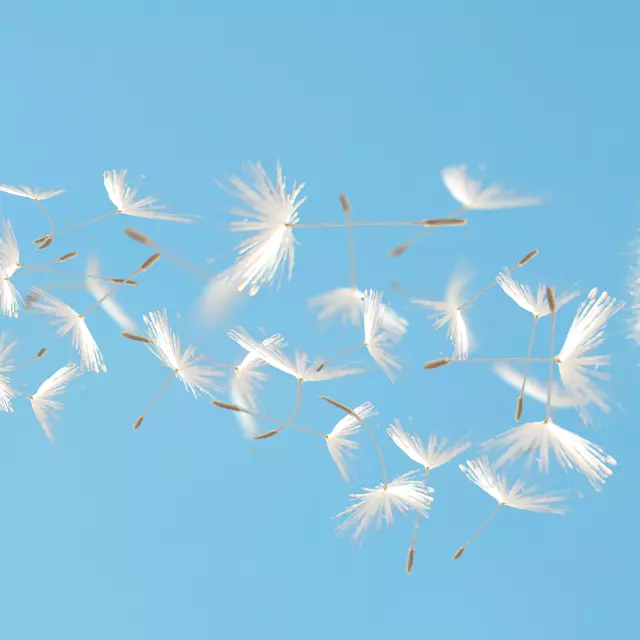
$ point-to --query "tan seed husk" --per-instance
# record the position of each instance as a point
(445, 222)
(344, 407)
(434, 364)
(149, 262)
(137, 236)
(552, 300)
(519, 405)
(530, 256)
(267, 434)
(67, 256)
(410, 560)
(229, 406)
(138, 422)
(135, 337)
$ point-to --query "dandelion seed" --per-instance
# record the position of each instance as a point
(471, 195)
(7, 393)
(338, 441)
(69, 320)
(43, 403)
(348, 305)
(165, 345)
(185, 364)
(522, 295)
(31, 193)
(448, 312)
(376, 338)
(571, 450)
(516, 496)
(125, 200)
(10, 299)
(375, 505)
(299, 368)
(434, 455)
(576, 365)
(246, 380)
(269, 215)
(100, 291)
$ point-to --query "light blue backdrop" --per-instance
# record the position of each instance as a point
(185, 530)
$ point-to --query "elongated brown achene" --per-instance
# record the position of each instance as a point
(434, 364)
(135, 337)
(344, 407)
(267, 434)
(229, 406)
(149, 262)
(529, 256)
(137, 236)
(67, 256)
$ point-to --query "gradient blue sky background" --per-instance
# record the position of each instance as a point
(185, 530)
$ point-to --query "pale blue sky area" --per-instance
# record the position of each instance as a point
(185, 530)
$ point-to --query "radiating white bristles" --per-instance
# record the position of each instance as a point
(99, 289)
(126, 201)
(448, 313)
(269, 214)
(32, 193)
(338, 442)
(537, 439)
(535, 389)
(10, 299)
(7, 393)
(516, 496)
(245, 380)
(403, 494)
(434, 455)
(522, 295)
(576, 365)
(187, 365)
(377, 339)
(69, 320)
(42, 401)
(300, 368)
(471, 195)
(347, 305)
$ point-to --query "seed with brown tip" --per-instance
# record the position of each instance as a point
(344, 407)
(229, 406)
(434, 364)
(519, 408)
(530, 256)
(410, 559)
(149, 262)
(136, 338)
(458, 553)
(138, 422)
(398, 251)
(40, 239)
(67, 256)
(46, 243)
(445, 222)
(267, 434)
(137, 236)
(345, 203)
(40, 353)
(551, 299)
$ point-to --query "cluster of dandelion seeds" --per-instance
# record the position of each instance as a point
(269, 215)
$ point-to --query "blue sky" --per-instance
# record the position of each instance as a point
(184, 529)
